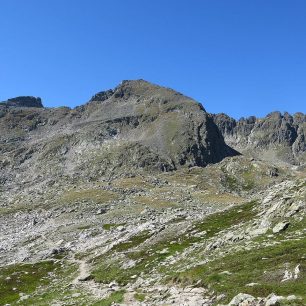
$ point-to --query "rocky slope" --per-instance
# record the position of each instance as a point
(277, 137)
(135, 199)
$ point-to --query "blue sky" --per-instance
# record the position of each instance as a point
(241, 57)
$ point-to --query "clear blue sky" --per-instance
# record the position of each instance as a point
(242, 57)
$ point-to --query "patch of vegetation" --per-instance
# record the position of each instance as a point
(115, 297)
(133, 242)
(264, 265)
(181, 177)
(54, 146)
(36, 281)
(108, 271)
(84, 227)
(219, 221)
(154, 202)
(13, 208)
(23, 278)
(230, 182)
(220, 198)
(97, 196)
(139, 297)
(249, 177)
(58, 290)
(109, 226)
(146, 259)
(133, 182)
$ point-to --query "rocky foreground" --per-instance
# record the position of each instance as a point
(135, 199)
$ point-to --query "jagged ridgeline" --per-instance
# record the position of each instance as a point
(277, 137)
(136, 126)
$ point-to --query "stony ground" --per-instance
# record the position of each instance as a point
(229, 232)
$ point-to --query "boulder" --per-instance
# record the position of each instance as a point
(274, 300)
(281, 226)
(241, 297)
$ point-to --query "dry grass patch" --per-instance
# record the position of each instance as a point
(154, 202)
(91, 195)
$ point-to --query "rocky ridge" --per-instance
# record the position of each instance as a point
(276, 137)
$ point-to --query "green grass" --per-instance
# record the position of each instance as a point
(249, 266)
(217, 222)
(115, 297)
(23, 278)
(246, 177)
(34, 280)
(139, 297)
(249, 177)
(108, 270)
(133, 242)
(109, 226)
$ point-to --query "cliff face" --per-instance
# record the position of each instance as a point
(136, 126)
(277, 137)
(23, 101)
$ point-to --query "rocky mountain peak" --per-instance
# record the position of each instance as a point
(24, 101)
(138, 126)
(142, 91)
(169, 124)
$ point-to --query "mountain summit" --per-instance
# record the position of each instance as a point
(174, 128)
(137, 125)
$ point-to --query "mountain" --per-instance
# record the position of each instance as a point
(136, 126)
(140, 197)
(277, 137)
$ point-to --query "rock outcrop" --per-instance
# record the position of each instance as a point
(23, 101)
(277, 137)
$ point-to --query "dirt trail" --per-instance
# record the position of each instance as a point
(89, 285)
(84, 271)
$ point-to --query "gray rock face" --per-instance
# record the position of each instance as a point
(175, 128)
(240, 298)
(23, 101)
(278, 137)
(137, 125)
(102, 96)
(281, 226)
